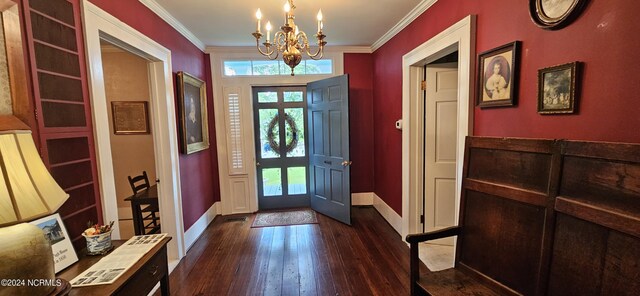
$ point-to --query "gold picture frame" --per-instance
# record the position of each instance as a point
(558, 89)
(192, 105)
(130, 117)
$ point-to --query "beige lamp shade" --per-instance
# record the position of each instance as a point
(27, 190)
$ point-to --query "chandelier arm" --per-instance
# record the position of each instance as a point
(267, 53)
(280, 40)
(315, 56)
(301, 38)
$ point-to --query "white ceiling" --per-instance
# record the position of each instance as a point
(231, 22)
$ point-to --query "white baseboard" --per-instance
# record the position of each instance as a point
(194, 232)
(362, 199)
(388, 213)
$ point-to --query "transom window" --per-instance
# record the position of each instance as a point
(276, 67)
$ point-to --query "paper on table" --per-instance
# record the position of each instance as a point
(112, 266)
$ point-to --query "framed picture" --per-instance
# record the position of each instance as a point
(557, 89)
(498, 76)
(130, 118)
(555, 14)
(192, 103)
(57, 235)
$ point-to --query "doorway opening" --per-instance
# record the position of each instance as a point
(460, 38)
(126, 81)
(99, 25)
(280, 118)
(439, 122)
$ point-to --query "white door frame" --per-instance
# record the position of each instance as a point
(99, 24)
(460, 37)
(238, 190)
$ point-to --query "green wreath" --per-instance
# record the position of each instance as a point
(273, 143)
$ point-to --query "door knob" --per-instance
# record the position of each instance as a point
(257, 164)
(347, 163)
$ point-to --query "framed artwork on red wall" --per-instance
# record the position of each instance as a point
(558, 89)
(555, 14)
(192, 103)
(498, 70)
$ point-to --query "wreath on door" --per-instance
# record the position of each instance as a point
(273, 142)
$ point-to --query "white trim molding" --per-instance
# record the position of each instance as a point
(403, 23)
(239, 191)
(362, 199)
(388, 214)
(173, 22)
(195, 231)
(459, 37)
(100, 25)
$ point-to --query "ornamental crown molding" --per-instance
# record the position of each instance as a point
(173, 22)
(403, 23)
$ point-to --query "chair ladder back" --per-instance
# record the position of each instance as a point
(142, 181)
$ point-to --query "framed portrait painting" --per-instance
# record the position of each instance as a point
(57, 235)
(555, 14)
(192, 102)
(557, 89)
(498, 76)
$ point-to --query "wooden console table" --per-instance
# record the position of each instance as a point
(138, 280)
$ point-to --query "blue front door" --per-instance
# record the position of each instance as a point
(329, 164)
(281, 154)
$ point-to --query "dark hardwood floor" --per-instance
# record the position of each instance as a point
(329, 258)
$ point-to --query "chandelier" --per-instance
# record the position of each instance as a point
(290, 41)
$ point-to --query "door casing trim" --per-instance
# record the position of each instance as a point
(460, 37)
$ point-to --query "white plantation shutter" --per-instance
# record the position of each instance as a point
(234, 133)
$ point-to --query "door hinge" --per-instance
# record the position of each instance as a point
(423, 85)
(35, 114)
(421, 219)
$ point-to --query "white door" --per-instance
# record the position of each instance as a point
(441, 116)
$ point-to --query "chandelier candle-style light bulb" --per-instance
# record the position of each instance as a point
(290, 41)
(259, 17)
(287, 8)
(268, 31)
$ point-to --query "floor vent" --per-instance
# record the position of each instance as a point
(235, 219)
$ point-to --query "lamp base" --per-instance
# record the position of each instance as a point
(26, 256)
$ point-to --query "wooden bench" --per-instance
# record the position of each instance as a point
(542, 217)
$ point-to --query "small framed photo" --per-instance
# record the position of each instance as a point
(130, 118)
(555, 14)
(557, 89)
(57, 235)
(192, 103)
(498, 71)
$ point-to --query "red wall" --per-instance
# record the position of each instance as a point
(604, 37)
(198, 171)
(360, 70)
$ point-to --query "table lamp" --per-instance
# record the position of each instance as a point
(27, 192)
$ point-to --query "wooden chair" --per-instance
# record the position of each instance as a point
(148, 217)
(142, 182)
